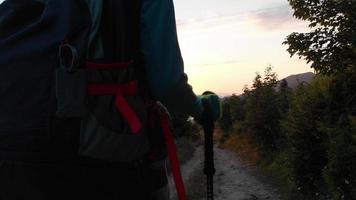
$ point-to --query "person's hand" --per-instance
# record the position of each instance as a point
(210, 103)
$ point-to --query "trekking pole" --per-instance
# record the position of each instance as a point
(209, 169)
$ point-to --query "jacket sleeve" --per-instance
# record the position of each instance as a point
(163, 60)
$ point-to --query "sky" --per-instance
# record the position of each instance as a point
(224, 42)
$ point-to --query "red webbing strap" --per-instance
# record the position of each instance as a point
(173, 157)
(121, 104)
(106, 66)
(129, 114)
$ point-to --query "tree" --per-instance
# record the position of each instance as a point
(270, 79)
(340, 127)
(262, 114)
(237, 107)
(226, 122)
(283, 97)
(341, 170)
(307, 153)
(331, 44)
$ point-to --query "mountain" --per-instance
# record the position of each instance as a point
(294, 80)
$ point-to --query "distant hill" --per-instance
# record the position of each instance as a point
(294, 80)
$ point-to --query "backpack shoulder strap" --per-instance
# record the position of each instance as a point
(95, 47)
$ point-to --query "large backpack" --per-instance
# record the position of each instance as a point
(58, 72)
(115, 128)
(30, 35)
(68, 75)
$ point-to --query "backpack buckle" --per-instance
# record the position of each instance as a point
(68, 57)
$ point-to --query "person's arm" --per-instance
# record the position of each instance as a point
(163, 60)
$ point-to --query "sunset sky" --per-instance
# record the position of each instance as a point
(224, 42)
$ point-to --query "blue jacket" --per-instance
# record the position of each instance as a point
(165, 67)
(163, 60)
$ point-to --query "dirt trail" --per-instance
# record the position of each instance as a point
(189, 171)
(234, 180)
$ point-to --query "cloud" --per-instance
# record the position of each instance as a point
(280, 17)
(271, 18)
(213, 18)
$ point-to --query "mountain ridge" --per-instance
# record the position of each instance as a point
(292, 80)
(295, 79)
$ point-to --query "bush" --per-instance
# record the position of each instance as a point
(307, 154)
(341, 169)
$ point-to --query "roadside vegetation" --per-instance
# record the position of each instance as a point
(305, 136)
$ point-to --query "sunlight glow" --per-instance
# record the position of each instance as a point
(223, 47)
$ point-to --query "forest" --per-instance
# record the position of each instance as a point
(304, 135)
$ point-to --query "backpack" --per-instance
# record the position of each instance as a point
(30, 35)
(50, 73)
(29, 48)
(63, 71)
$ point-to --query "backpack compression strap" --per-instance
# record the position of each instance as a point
(129, 114)
(120, 90)
(106, 66)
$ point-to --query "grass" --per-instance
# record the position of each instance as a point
(242, 145)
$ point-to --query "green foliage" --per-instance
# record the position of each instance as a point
(307, 153)
(343, 94)
(341, 130)
(310, 133)
(262, 112)
(303, 134)
(320, 124)
(233, 113)
(283, 97)
(226, 121)
(341, 169)
(237, 107)
(331, 45)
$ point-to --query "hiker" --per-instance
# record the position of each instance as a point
(79, 85)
